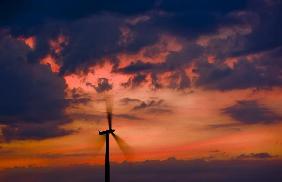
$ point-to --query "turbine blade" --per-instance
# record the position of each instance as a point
(109, 116)
(109, 111)
(125, 148)
(99, 143)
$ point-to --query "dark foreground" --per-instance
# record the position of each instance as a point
(152, 171)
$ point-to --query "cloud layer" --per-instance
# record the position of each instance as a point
(178, 45)
(251, 112)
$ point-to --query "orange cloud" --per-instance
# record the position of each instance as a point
(49, 60)
(29, 41)
(231, 62)
(96, 72)
(211, 59)
(58, 44)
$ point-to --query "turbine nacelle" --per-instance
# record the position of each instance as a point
(106, 132)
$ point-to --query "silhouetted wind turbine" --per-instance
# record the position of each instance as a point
(107, 134)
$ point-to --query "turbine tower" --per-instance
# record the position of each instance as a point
(107, 134)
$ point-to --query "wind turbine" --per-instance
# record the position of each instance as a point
(107, 134)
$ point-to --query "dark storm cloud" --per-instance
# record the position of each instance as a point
(179, 80)
(90, 40)
(155, 82)
(135, 81)
(151, 171)
(190, 24)
(32, 12)
(77, 97)
(152, 106)
(251, 112)
(102, 86)
(202, 5)
(32, 97)
(184, 57)
(264, 41)
(128, 100)
(264, 72)
(150, 103)
(23, 131)
(94, 27)
(267, 31)
(222, 77)
(173, 62)
(97, 30)
(138, 66)
(192, 18)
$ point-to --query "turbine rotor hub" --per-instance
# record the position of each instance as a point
(105, 132)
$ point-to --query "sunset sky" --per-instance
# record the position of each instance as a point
(188, 80)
